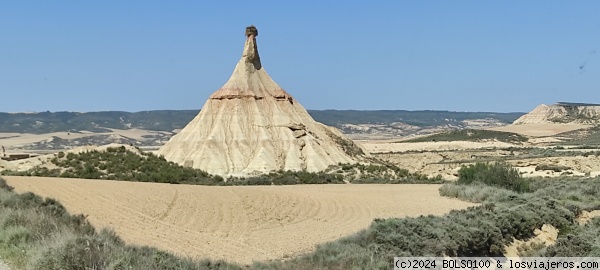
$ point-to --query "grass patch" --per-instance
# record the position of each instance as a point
(589, 137)
(551, 167)
(382, 174)
(472, 135)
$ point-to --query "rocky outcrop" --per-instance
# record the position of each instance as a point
(252, 126)
(562, 113)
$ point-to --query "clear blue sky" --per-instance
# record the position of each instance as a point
(500, 56)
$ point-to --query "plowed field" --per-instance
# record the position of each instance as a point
(238, 224)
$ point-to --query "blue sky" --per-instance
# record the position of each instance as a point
(500, 56)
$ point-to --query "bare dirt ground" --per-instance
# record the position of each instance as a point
(433, 163)
(547, 236)
(239, 224)
(586, 216)
(3, 266)
(374, 147)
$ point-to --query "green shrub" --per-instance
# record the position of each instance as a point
(582, 241)
(15, 235)
(472, 135)
(555, 202)
(73, 251)
(555, 168)
(4, 186)
(122, 164)
(382, 174)
(477, 192)
(497, 174)
(533, 249)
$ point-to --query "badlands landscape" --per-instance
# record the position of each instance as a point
(284, 223)
(233, 191)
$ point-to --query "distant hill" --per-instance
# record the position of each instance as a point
(562, 112)
(46, 122)
(415, 118)
(169, 120)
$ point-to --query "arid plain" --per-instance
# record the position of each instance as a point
(241, 223)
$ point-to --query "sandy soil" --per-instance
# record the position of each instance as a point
(387, 146)
(586, 216)
(546, 235)
(3, 266)
(426, 163)
(540, 129)
(239, 224)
